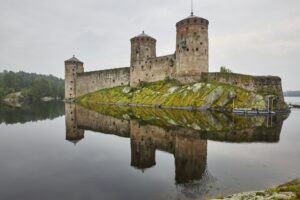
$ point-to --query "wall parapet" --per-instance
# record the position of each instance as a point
(93, 81)
(260, 84)
(102, 71)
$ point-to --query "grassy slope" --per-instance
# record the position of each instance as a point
(172, 93)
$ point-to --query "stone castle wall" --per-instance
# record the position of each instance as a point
(153, 69)
(261, 84)
(88, 82)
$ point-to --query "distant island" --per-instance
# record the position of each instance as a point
(19, 87)
(295, 93)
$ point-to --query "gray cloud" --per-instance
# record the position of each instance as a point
(249, 36)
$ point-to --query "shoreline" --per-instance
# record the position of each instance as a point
(288, 191)
(190, 108)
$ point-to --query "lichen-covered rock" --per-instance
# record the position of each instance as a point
(126, 90)
(260, 195)
(287, 191)
(214, 95)
(171, 93)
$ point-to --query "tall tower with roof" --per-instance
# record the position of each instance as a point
(72, 67)
(143, 47)
(191, 48)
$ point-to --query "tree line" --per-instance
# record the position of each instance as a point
(32, 86)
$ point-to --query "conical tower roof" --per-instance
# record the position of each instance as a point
(193, 19)
(73, 59)
(143, 35)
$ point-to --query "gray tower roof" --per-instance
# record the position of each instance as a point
(73, 59)
(143, 35)
(193, 18)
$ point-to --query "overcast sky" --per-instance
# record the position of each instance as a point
(259, 37)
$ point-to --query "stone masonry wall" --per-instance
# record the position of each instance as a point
(192, 48)
(71, 70)
(153, 69)
(88, 82)
(261, 84)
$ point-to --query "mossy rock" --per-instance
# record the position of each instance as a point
(172, 93)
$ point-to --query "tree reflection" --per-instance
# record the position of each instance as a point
(31, 112)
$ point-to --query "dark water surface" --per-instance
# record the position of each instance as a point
(140, 153)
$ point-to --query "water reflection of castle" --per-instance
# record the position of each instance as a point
(188, 145)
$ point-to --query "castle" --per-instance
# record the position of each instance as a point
(186, 64)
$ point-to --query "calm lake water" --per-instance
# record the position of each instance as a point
(141, 153)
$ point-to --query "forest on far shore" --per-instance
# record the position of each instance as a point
(31, 85)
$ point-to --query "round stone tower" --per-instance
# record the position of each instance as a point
(72, 67)
(191, 48)
(142, 47)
